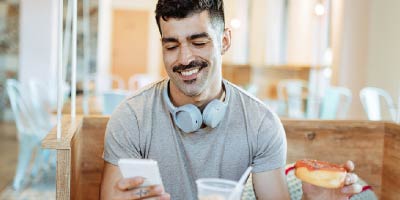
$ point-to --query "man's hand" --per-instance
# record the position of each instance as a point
(131, 189)
(114, 187)
(350, 187)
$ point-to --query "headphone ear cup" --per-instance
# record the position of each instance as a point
(188, 118)
(214, 112)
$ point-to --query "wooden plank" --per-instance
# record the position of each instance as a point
(391, 162)
(87, 156)
(338, 141)
(334, 141)
(63, 174)
(69, 128)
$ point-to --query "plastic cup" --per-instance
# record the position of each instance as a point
(217, 189)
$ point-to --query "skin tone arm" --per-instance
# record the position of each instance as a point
(271, 185)
(113, 186)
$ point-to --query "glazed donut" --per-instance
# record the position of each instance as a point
(320, 173)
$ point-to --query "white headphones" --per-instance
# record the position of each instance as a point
(189, 118)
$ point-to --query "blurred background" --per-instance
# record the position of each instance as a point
(308, 59)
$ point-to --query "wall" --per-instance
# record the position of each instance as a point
(38, 40)
(106, 8)
(237, 10)
(350, 49)
(383, 68)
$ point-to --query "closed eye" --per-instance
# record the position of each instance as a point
(199, 44)
(169, 48)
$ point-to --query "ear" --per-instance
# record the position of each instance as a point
(226, 40)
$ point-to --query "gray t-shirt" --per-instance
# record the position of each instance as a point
(249, 134)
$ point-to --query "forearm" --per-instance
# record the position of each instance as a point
(271, 185)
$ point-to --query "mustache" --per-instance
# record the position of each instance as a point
(192, 64)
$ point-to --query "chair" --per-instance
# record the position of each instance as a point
(111, 99)
(138, 81)
(81, 162)
(335, 103)
(371, 100)
(292, 92)
(110, 80)
(30, 131)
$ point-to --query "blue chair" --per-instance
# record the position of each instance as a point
(371, 100)
(111, 99)
(30, 131)
(335, 103)
(292, 92)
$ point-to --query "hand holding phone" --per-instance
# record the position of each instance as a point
(145, 168)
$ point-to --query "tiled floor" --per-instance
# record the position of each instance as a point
(41, 187)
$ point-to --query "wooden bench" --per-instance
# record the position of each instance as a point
(373, 146)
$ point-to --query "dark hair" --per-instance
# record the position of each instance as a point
(183, 8)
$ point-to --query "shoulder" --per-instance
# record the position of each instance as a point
(146, 93)
(251, 104)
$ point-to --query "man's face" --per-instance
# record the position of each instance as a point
(192, 53)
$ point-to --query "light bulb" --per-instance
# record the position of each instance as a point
(319, 9)
(235, 23)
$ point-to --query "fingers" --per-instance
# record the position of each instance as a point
(165, 196)
(350, 179)
(351, 189)
(128, 183)
(144, 192)
(349, 165)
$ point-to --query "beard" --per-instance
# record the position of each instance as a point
(192, 87)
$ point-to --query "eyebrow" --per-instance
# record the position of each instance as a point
(169, 39)
(199, 35)
(192, 37)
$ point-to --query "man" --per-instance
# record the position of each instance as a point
(195, 124)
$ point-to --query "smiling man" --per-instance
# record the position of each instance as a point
(195, 124)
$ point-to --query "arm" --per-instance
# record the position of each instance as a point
(113, 186)
(271, 185)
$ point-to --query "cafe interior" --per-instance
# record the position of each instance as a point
(330, 70)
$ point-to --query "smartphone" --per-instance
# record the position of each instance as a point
(146, 168)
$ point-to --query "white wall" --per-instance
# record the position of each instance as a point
(237, 10)
(383, 69)
(350, 49)
(38, 40)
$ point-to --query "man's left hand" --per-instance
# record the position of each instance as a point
(350, 187)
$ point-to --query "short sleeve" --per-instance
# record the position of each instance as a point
(122, 135)
(271, 145)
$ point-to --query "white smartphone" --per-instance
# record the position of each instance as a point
(146, 168)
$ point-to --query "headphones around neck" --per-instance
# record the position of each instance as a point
(189, 118)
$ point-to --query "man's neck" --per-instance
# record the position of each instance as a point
(179, 99)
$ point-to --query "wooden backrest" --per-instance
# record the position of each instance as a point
(373, 146)
(87, 159)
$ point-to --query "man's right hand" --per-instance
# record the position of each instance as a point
(115, 187)
(130, 188)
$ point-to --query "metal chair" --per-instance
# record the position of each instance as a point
(292, 92)
(335, 103)
(30, 131)
(111, 99)
(371, 100)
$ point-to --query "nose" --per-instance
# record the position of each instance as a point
(185, 55)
